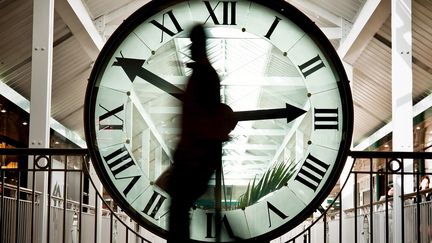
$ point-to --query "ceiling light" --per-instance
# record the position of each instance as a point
(418, 128)
(25, 123)
(3, 110)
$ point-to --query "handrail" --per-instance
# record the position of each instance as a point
(84, 169)
(390, 154)
(43, 151)
(368, 155)
(110, 209)
(389, 199)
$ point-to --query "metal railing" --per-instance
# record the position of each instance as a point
(76, 216)
(71, 215)
(372, 221)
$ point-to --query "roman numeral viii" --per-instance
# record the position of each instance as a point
(119, 161)
(228, 12)
(312, 172)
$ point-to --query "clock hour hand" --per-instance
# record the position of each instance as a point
(133, 68)
(289, 112)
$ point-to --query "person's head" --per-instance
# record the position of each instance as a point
(390, 192)
(424, 182)
(198, 38)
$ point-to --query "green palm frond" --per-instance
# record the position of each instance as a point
(273, 179)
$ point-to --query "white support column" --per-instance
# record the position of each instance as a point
(95, 199)
(158, 161)
(299, 151)
(401, 100)
(40, 104)
(145, 151)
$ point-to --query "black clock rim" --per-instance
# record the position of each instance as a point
(282, 8)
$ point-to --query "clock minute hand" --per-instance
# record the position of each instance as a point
(289, 112)
(133, 68)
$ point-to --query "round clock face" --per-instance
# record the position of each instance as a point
(278, 73)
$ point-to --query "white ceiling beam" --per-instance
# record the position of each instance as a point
(118, 15)
(319, 11)
(147, 118)
(24, 104)
(258, 132)
(418, 108)
(231, 146)
(77, 18)
(288, 136)
(370, 19)
(235, 132)
(332, 33)
(241, 158)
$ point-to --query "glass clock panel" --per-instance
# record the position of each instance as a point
(313, 66)
(273, 211)
(273, 26)
(233, 225)
(163, 26)
(269, 69)
(153, 204)
(313, 172)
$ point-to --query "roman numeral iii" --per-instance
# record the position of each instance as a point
(326, 119)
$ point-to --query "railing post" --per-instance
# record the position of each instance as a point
(355, 208)
(74, 230)
(40, 104)
(402, 104)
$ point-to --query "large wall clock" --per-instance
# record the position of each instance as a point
(279, 74)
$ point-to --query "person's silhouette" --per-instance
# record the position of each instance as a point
(199, 151)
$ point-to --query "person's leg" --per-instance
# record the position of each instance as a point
(187, 185)
(179, 222)
(181, 202)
